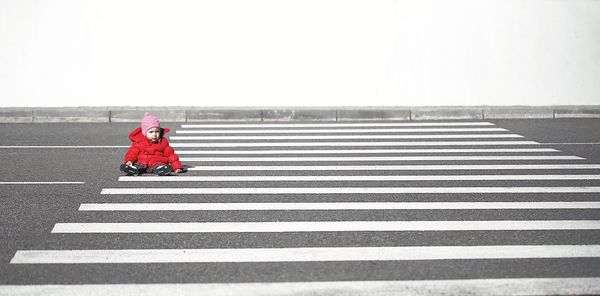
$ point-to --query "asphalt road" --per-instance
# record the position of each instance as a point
(29, 212)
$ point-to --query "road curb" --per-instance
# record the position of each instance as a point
(137, 115)
(287, 114)
(87, 114)
(373, 114)
(223, 115)
(577, 113)
(299, 115)
(519, 112)
(446, 113)
(16, 116)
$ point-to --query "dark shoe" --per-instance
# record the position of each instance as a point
(129, 170)
(163, 170)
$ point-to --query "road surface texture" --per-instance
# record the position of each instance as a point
(357, 208)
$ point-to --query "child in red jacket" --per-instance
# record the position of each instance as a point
(150, 152)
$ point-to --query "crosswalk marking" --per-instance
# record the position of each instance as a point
(359, 124)
(268, 143)
(316, 131)
(319, 137)
(370, 151)
(328, 206)
(322, 226)
(351, 190)
(354, 144)
(383, 158)
(580, 143)
(461, 287)
(398, 167)
(354, 178)
(305, 254)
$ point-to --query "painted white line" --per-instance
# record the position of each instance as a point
(304, 254)
(481, 287)
(318, 137)
(583, 143)
(353, 178)
(323, 226)
(60, 147)
(316, 131)
(368, 151)
(383, 158)
(357, 124)
(349, 190)
(40, 183)
(332, 206)
(357, 144)
(399, 167)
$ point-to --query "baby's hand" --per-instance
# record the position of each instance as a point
(129, 163)
(177, 171)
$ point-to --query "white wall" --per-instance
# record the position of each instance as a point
(299, 52)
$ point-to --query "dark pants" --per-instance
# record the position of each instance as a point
(146, 169)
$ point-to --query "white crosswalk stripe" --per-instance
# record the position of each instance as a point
(382, 158)
(352, 144)
(363, 130)
(337, 125)
(397, 167)
(350, 190)
(319, 137)
(353, 178)
(305, 254)
(324, 226)
(500, 286)
(369, 151)
(328, 206)
(546, 183)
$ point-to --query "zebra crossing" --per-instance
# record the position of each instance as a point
(327, 170)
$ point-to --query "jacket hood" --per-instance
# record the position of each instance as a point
(137, 136)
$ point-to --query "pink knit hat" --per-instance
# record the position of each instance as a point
(149, 122)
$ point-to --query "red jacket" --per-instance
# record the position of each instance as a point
(143, 151)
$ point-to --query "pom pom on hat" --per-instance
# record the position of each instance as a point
(148, 122)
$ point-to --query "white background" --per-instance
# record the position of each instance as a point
(299, 52)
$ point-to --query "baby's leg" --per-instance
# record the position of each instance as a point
(134, 169)
(142, 168)
(160, 169)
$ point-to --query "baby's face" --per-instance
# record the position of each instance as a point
(153, 134)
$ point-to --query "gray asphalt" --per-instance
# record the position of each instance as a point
(29, 212)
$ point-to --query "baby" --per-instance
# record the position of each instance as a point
(150, 152)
